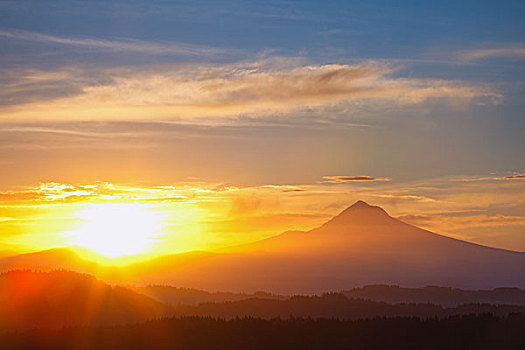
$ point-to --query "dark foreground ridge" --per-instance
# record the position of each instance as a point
(459, 332)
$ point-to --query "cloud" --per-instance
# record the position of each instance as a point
(515, 51)
(338, 179)
(285, 188)
(447, 223)
(58, 192)
(128, 45)
(271, 87)
(517, 176)
(514, 177)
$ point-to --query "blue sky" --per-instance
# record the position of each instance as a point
(328, 29)
(469, 43)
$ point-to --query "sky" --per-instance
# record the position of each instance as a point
(237, 120)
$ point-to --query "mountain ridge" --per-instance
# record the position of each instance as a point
(361, 245)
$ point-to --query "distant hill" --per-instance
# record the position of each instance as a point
(438, 295)
(68, 259)
(61, 298)
(48, 260)
(188, 296)
(335, 305)
(443, 296)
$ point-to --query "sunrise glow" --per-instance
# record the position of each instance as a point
(262, 174)
(116, 229)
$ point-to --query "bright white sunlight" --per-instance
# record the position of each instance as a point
(116, 229)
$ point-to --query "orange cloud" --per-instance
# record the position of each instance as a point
(514, 177)
(342, 179)
(518, 176)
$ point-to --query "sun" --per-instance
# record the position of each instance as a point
(116, 229)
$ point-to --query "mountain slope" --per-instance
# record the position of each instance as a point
(362, 245)
(68, 259)
(47, 260)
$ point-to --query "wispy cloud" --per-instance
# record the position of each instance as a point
(52, 192)
(343, 179)
(459, 222)
(268, 87)
(517, 176)
(512, 51)
(125, 45)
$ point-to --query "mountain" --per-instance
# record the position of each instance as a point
(362, 245)
(62, 298)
